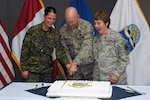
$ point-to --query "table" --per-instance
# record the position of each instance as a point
(16, 91)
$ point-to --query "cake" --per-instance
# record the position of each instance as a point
(79, 88)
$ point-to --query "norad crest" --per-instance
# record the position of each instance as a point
(80, 85)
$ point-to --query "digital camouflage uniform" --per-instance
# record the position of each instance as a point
(37, 48)
(78, 45)
(111, 56)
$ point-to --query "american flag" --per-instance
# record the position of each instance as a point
(6, 68)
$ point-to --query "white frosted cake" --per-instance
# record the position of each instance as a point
(74, 88)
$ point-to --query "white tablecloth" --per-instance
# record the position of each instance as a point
(16, 91)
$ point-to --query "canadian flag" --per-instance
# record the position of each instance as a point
(31, 14)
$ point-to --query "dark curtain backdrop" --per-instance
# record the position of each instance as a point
(10, 11)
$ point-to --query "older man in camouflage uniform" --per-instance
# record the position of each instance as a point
(77, 37)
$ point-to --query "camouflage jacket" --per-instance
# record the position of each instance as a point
(37, 48)
(111, 54)
(78, 42)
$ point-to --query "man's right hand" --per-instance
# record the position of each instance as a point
(72, 68)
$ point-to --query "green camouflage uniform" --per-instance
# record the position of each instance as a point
(78, 45)
(37, 48)
(111, 56)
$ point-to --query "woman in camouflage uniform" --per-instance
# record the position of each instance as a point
(38, 45)
(110, 52)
